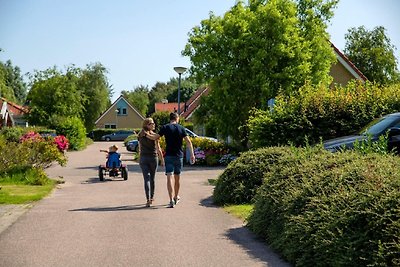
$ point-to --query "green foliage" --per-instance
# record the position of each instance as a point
(12, 134)
(321, 112)
(160, 118)
(240, 180)
(25, 175)
(368, 146)
(139, 98)
(322, 209)
(96, 92)
(254, 51)
(12, 85)
(75, 93)
(73, 129)
(37, 153)
(373, 53)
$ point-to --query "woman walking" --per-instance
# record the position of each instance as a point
(150, 154)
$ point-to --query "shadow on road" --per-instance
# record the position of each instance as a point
(208, 202)
(252, 244)
(120, 208)
(95, 180)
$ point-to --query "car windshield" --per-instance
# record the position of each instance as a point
(379, 126)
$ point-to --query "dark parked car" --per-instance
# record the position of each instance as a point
(117, 136)
(132, 146)
(388, 124)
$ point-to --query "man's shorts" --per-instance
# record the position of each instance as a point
(173, 164)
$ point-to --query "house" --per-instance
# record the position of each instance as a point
(344, 70)
(120, 114)
(169, 107)
(12, 114)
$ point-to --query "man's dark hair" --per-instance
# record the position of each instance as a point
(173, 116)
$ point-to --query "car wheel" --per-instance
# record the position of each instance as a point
(108, 139)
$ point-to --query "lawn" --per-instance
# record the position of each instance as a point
(22, 193)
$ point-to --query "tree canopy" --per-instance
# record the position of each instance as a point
(373, 53)
(139, 98)
(255, 51)
(81, 93)
(12, 85)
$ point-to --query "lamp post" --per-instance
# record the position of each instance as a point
(116, 118)
(179, 70)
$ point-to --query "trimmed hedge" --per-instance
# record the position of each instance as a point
(314, 113)
(323, 209)
(241, 179)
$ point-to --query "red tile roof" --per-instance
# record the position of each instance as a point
(349, 63)
(170, 107)
(194, 101)
(14, 108)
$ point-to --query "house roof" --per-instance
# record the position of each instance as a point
(194, 102)
(112, 107)
(348, 64)
(14, 109)
(170, 107)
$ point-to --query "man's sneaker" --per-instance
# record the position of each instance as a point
(177, 199)
(171, 204)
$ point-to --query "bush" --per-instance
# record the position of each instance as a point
(323, 209)
(315, 113)
(241, 179)
(32, 151)
(73, 129)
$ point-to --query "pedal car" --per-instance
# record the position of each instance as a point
(113, 167)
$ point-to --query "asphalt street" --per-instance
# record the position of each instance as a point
(85, 222)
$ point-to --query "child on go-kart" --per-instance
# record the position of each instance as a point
(113, 157)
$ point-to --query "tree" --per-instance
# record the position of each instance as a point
(373, 53)
(96, 93)
(12, 85)
(254, 51)
(80, 93)
(54, 94)
(139, 98)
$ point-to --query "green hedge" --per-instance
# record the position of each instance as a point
(314, 113)
(241, 179)
(72, 128)
(323, 209)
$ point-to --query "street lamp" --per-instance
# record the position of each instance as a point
(116, 118)
(179, 70)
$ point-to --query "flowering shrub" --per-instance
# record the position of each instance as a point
(31, 136)
(62, 142)
(199, 155)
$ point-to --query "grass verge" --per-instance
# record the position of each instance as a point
(22, 193)
(241, 211)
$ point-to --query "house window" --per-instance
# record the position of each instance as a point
(124, 111)
(110, 126)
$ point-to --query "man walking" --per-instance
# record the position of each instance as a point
(174, 134)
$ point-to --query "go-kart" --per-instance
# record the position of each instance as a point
(113, 168)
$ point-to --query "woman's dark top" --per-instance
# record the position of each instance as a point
(147, 147)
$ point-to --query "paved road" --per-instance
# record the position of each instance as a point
(90, 223)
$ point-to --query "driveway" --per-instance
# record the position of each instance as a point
(90, 223)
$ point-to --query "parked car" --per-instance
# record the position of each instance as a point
(117, 136)
(133, 146)
(388, 124)
(192, 134)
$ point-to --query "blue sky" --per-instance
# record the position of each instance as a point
(139, 42)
